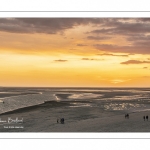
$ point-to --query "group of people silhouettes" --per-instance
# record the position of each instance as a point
(145, 117)
(61, 120)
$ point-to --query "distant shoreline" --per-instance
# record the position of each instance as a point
(148, 87)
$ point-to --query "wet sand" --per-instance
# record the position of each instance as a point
(3, 95)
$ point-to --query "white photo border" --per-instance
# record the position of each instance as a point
(10, 13)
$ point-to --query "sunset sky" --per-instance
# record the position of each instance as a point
(75, 52)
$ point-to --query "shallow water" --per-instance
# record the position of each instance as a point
(108, 99)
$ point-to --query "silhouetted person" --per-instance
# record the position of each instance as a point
(147, 118)
(144, 118)
(62, 120)
(57, 120)
(128, 116)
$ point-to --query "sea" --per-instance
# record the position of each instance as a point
(41, 109)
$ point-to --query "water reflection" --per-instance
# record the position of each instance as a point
(122, 106)
(84, 96)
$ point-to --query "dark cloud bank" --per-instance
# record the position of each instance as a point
(135, 30)
(44, 25)
(54, 25)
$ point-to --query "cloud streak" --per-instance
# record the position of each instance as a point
(60, 60)
(81, 45)
(139, 47)
(98, 37)
(135, 62)
(108, 54)
(90, 59)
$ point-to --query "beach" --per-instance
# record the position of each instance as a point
(83, 110)
(114, 123)
(108, 124)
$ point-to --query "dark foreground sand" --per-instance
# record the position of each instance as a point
(33, 122)
(107, 124)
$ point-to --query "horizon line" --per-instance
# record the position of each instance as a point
(72, 87)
